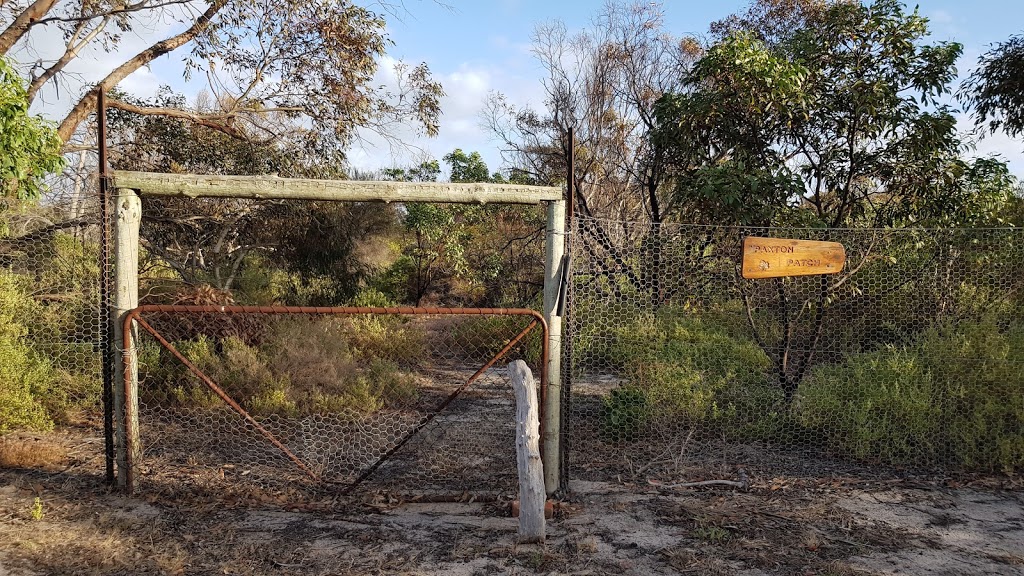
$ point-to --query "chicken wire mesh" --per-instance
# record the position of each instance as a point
(51, 323)
(404, 403)
(909, 359)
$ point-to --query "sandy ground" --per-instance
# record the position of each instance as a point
(780, 525)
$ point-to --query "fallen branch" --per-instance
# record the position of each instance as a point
(743, 483)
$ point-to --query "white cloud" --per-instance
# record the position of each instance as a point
(466, 90)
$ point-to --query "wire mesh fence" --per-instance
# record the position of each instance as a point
(911, 357)
(51, 330)
(409, 401)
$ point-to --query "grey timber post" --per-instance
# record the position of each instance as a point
(127, 218)
(555, 249)
(528, 461)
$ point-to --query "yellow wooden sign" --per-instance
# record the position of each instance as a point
(774, 257)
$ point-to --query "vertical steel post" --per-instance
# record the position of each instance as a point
(106, 320)
(570, 180)
(564, 310)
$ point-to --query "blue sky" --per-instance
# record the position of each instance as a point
(477, 46)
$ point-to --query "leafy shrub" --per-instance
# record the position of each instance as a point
(955, 396)
(25, 378)
(623, 415)
(692, 369)
(372, 298)
(50, 319)
(391, 338)
(303, 366)
(600, 344)
(381, 385)
(273, 401)
(480, 338)
(875, 405)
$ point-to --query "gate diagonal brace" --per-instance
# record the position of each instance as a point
(224, 396)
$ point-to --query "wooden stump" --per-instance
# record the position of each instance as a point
(532, 495)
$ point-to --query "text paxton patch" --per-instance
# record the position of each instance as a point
(774, 257)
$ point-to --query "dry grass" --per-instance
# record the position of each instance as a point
(30, 453)
(179, 525)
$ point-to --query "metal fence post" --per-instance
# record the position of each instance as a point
(126, 221)
(555, 249)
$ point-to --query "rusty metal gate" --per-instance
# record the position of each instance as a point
(404, 400)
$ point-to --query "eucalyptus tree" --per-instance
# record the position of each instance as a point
(844, 119)
(29, 148)
(311, 59)
(995, 89)
(311, 247)
(601, 82)
(839, 122)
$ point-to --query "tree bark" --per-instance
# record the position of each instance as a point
(88, 102)
(75, 44)
(17, 29)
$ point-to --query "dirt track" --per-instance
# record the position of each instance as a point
(782, 525)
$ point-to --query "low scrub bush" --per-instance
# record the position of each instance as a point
(690, 369)
(26, 379)
(303, 366)
(624, 414)
(391, 338)
(480, 338)
(953, 397)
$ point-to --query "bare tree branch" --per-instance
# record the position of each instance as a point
(85, 105)
(17, 29)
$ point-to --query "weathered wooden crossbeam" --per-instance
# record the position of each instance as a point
(273, 187)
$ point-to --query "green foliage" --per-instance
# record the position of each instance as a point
(623, 414)
(29, 145)
(467, 167)
(380, 384)
(36, 512)
(464, 255)
(482, 337)
(426, 171)
(995, 89)
(876, 405)
(55, 276)
(315, 245)
(734, 193)
(711, 533)
(955, 396)
(986, 197)
(372, 298)
(839, 116)
(25, 378)
(301, 367)
(690, 368)
(390, 338)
